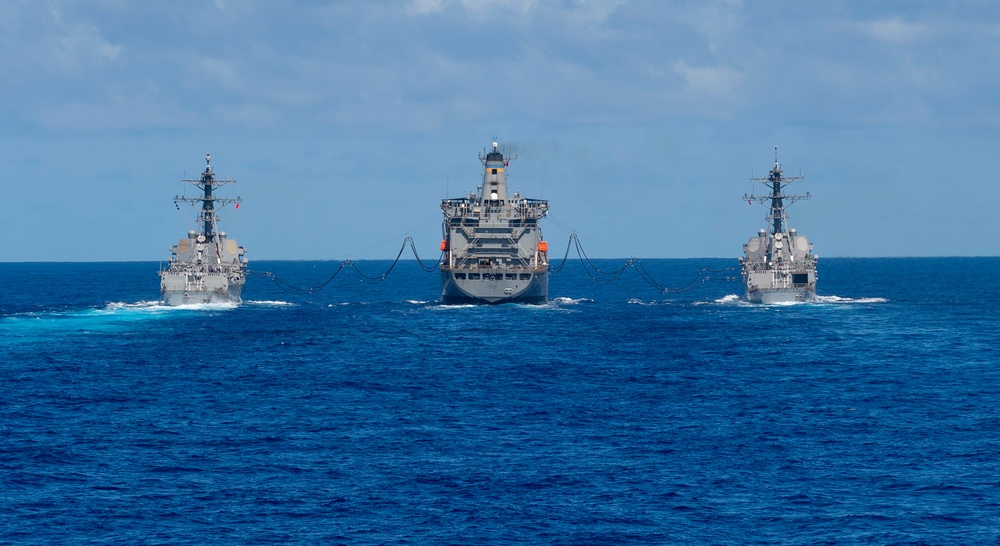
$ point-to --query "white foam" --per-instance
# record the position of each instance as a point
(568, 301)
(203, 306)
(838, 299)
(157, 305)
(417, 302)
(444, 307)
(733, 299)
(112, 316)
(637, 301)
(117, 305)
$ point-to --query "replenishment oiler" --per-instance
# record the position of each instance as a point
(493, 250)
(205, 267)
(778, 264)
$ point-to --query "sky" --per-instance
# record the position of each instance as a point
(641, 121)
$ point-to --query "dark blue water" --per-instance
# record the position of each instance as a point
(370, 414)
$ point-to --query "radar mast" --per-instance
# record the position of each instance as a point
(207, 217)
(776, 200)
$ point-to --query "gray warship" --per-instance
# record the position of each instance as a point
(778, 264)
(493, 250)
(205, 267)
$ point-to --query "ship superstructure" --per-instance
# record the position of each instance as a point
(207, 266)
(778, 264)
(493, 251)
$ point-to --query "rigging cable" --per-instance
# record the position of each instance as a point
(585, 260)
(699, 279)
(588, 264)
(292, 289)
(591, 268)
(593, 271)
(377, 279)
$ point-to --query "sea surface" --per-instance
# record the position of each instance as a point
(369, 413)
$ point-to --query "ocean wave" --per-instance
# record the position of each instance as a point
(113, 316)
(838, 299)
(569, 301)
(637, 301)
(417, 302)
(730, 299)
(118, 307)
(198, 306)
(733, 299)
(274, 303)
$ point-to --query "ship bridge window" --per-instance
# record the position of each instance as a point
(494, 171)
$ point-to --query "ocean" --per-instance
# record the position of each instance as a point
(368, 413)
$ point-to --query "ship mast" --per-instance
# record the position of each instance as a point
(776, 200)
(494, 186)
(206, 184)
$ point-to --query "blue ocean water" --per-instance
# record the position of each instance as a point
(371, 414)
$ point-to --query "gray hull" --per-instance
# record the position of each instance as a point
(772, 285)
(181, 289)
(781, 295)
(494, 287)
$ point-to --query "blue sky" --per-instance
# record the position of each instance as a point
(640, 121)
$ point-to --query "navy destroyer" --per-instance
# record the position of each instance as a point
(493, 250)
(778, 264)
(205, 267)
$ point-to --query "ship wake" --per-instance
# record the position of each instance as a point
(733, 299)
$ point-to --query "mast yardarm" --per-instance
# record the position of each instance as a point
(207, 218)
(776, 201)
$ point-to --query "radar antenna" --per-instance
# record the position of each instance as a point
(207, 218)
(775, 200)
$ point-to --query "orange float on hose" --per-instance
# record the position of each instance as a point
(543, 246)
(444, 245)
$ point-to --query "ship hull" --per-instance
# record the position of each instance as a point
(781, 295)
(494, 287)
(779, 285)
(180, 289)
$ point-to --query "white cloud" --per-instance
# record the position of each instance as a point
(477, 8)
(246, 115)
(82, 44)
(719, 80)
(595, 10)
(893, 31)
(577, 11)
(481, 8)
(221, 72)
(51, 41)
(133, 109)
(718, 21)
(420, 7)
